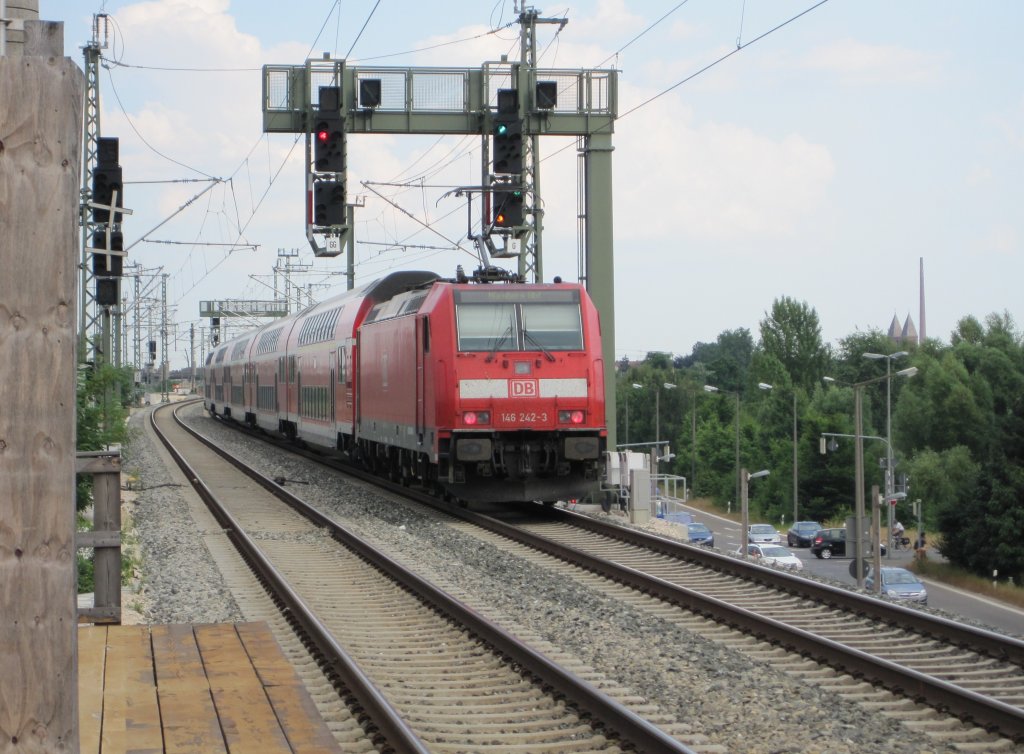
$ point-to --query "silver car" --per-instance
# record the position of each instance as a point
(899, 584)
(763, 534)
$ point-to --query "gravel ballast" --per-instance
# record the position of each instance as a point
(740, 704)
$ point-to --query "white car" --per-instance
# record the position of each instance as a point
(773, 555)
(763, 534)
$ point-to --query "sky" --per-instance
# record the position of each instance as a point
(820, 161)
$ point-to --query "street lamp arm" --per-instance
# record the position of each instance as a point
(854, 437)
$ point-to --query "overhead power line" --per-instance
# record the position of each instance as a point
(728, 55)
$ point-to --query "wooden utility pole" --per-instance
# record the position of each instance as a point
(41, 100)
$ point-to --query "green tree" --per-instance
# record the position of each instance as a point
(943, 480)
(101, 415)
(726, 362)
(965, 420)
(792, 334)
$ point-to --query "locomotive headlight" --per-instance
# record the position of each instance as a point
(571, 417)
(476, 417)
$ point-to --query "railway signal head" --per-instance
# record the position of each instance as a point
(508, 144)
(508, 208)
(329, 145)
(106, 179)
(329, 203)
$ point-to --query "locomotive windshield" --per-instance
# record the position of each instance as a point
(517, 320)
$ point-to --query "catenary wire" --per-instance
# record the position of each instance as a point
(360, 34)
(706, 68)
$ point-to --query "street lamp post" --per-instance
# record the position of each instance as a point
(693, 440)
(745, 477)
(713, 389)
(858, 424)
(636, 386)
(796, 504)
(657, 410)
(656, 457)
(889, 478)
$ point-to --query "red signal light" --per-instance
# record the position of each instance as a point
(323, 135)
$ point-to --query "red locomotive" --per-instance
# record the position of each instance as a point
(486, 392)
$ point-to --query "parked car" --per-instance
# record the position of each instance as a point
(801, 533)
(763, 533)
(899, 584)
(699, 534)
(775, 555)
(831, 542)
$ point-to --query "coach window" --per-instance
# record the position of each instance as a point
(341, 365)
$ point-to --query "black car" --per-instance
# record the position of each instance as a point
(831, 542)
(801, 534)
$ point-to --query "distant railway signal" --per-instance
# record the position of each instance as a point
(328, 203)
(508, 208)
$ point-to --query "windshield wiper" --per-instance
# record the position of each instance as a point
(497, 343)
(541, 348)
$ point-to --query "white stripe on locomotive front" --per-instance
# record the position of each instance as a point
(546, 388)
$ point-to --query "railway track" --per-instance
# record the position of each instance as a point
(971, 674)
(422, 671)
(953, 683)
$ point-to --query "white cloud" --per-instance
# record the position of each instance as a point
(715, 181)
(978, 175)
(612, 20)
(862, 63)
(999, 240)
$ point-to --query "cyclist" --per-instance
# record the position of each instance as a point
(897, 536)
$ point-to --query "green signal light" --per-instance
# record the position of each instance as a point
(502, 129)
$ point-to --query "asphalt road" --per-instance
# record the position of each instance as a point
(998, 616)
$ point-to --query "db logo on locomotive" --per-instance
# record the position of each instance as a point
(523, 388)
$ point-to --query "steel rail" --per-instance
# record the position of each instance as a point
(983, 711)
(633, 730)
(979, 709)
(385, 718)
(995, 645)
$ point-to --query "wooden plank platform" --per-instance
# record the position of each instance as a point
(193, 688)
